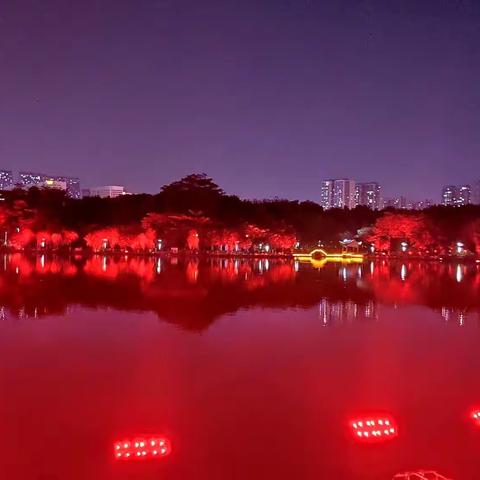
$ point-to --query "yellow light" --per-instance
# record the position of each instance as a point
(336, 257)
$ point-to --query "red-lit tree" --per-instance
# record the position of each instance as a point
(43, 239)
(193, 240)
(411, 228)
(472, 234)
(103, 238)
(69, 237)
(282, 241)
(22, 239)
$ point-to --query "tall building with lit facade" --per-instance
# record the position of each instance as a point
(476, 192)
(6, 179)
(338, 193)
(33, 179)
(456, 195)
(27, 179)
(368, 194)
(326, 194)
(73, 185)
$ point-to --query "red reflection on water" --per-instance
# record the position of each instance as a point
(142, 448)
(374, 428)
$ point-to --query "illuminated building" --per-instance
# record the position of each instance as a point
(326, 194)
(422, 204)
(6, 179)
(476, 192)
(337, 193)
(400, 203)
(55, 184)
(449, 194)
(368, 195)
(70, 184)
(108, 191)
(465, 195)
(30, 178)
(456, 195)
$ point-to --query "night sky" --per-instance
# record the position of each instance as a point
(267, 97)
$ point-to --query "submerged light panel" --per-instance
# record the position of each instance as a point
(374, 428)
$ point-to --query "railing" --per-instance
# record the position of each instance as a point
(420, 475)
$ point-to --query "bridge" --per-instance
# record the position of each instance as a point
(334, 257)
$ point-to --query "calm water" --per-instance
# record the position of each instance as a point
(251, 369)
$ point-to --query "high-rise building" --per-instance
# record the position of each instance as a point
(464, 195)
(338, 193)
(73, 185)
(32, 179)
(476, 192)
(108, 191)
(28, 179)
(456, 195)
(326, 194)
(368, 195)
(6, 179)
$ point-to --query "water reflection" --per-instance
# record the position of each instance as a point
(344, 312)
(298, 353)
(194, 292)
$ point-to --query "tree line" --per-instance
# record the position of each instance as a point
(194, 213)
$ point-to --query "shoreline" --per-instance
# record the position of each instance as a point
(231, 255)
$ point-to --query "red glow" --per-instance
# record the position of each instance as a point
(143, 448)
(475, 416)
(374, 428)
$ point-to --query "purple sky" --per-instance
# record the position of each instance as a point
(267, 97)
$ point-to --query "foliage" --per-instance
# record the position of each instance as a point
(196, 214)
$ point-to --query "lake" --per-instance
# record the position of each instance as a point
(252, 369)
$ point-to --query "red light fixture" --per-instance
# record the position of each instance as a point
(374, 428)
(475, 416)
(142, 448)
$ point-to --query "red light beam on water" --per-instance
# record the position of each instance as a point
(373, 429)
(142, 448)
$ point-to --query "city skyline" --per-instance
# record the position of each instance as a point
(332, 192)
(473, 182)
(267, 99)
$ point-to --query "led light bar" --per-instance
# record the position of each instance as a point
(374, 428)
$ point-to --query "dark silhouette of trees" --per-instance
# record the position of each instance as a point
(194, 213)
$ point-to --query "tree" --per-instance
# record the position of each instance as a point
(411, 228)
(193, 241)
(103, 238)
(472, 233)
(193, 193)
